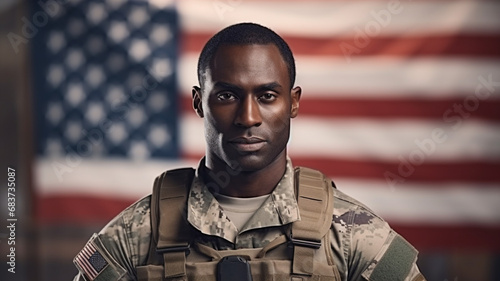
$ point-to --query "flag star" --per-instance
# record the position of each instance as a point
(96, 13)
(139, 49)
(158, 135)
(94, 112)
(138, 16)
(136, 116)
(56, 41)
(95, 75)
(115, 95)
(118, 31)
(54, 113)
(117, 133)
(55, 75)
(74, 59)
(75, 94)
(139, 150)
(158, 101)
(162, 68)
(73, 131)
(160, 34)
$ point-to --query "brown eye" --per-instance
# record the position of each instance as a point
(226, 96)
(267, 97)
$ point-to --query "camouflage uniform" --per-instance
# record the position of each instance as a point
(359, 238)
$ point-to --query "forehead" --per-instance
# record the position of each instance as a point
(248, 64)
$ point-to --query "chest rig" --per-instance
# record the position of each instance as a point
(304, 253)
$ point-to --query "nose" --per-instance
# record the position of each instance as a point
(248, 114)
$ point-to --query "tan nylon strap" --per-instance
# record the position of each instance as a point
(172, 237)
(315, 201)
(208, 251)
(303, 260)
(174, 264)
(271, 245)
(173, 229)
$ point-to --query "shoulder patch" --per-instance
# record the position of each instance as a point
(395, 263)
(94, 262)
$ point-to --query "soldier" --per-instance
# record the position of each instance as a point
(241, 202)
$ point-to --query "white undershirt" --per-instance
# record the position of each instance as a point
(240, 210)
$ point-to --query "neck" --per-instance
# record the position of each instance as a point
(222, 179)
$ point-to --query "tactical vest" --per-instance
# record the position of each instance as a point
(304, 253)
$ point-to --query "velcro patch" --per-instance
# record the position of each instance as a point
(396, 262)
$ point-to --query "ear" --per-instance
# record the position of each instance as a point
(295, 94)
(197, 101)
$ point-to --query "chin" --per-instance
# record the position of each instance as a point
(247, 163)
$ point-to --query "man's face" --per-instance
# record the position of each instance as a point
(246, 103)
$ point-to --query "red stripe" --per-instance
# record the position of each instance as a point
(77, 209)
(439, 172)
(476, 45)
(384, 108)
(84, 257)
(470, 171)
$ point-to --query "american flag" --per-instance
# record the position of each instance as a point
(90, 261)
(400, 105)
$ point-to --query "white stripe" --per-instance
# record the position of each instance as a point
(360, 139)
(115, 178)
(417, 203)
(384, 77)
(431, 203)
(337, 18)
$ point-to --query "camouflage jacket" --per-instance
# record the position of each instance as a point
(364, 245)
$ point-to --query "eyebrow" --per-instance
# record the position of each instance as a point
(273, 86)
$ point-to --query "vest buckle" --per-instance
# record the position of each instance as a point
(183, 248)
(305, 243)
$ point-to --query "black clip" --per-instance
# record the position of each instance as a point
(185, 248)
(305, 243)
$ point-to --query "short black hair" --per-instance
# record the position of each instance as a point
(245, 34)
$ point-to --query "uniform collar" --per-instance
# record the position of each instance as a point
(206, 214)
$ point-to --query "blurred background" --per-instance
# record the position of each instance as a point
(400, 106)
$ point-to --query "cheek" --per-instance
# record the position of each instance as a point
(279, 119)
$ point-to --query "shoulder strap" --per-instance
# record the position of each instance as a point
(315, 200)
(170, 231)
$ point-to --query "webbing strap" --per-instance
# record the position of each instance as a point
(172, 235)
(174, 264)
(315, 201)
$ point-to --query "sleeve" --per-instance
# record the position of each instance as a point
(377, 253)
(115, 252)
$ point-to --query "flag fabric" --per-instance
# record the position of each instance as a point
(400, 105)
(90, 261)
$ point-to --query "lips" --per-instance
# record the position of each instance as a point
(247, 144)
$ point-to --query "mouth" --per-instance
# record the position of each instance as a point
(248, 144)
